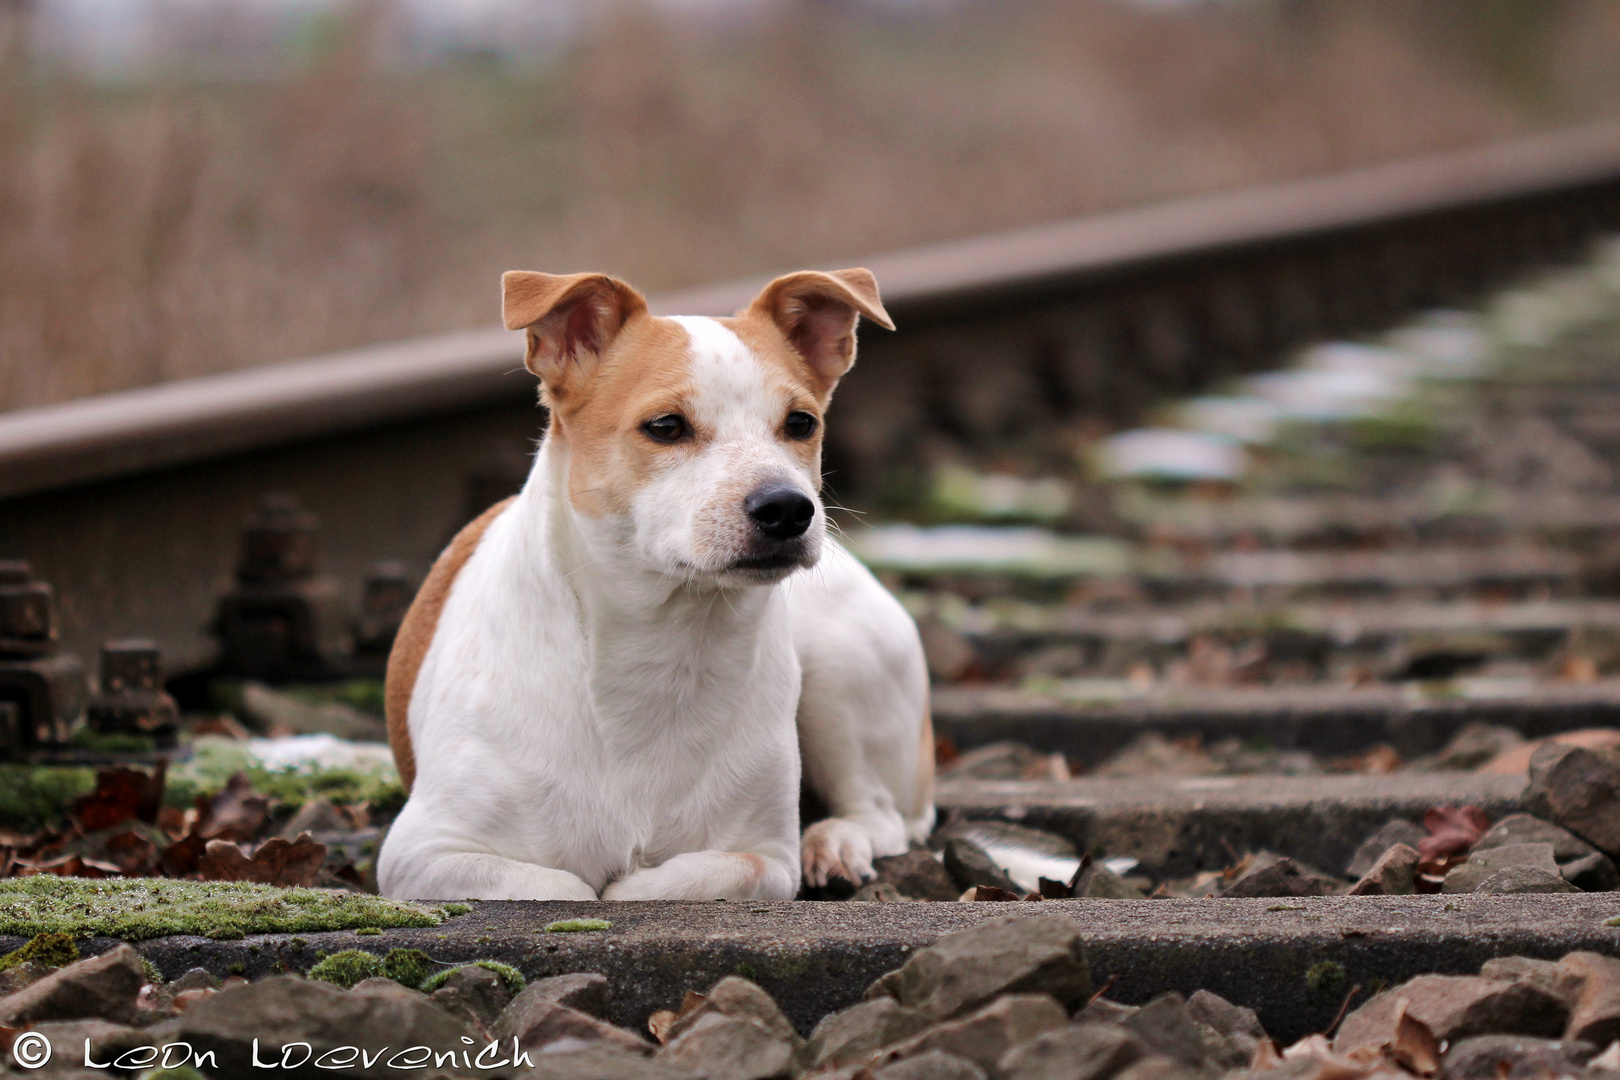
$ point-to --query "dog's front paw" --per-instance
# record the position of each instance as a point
(837, 848)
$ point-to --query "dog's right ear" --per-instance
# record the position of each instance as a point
(570, 319)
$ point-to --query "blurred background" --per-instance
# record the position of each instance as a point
(189, 186)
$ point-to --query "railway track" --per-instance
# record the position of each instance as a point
(131, 503)
(1189, 675)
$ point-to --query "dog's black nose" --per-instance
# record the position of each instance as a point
(781, 513)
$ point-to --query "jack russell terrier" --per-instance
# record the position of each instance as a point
(608, 683)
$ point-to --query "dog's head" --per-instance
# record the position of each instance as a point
(694, 443)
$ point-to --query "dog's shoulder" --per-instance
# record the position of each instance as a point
(416, 634)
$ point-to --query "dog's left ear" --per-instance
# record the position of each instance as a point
(570, 319)
(817, 312)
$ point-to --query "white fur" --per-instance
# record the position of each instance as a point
(605, 710)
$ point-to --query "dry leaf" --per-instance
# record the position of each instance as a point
(659, 1023)
(121, 795)
(1452, 831)
(276, 862)
(991, 893)
(236, 813)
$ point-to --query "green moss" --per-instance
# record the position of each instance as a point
(214, 759)
(52, 950)
(368, 931)
(452, 910)
(1326, 978)
(408, 967)
(31, 797)
(511, 978)
(347, 968)
(363, 694)
(576, 926)
(153, 975)
(139, 908)
(110, 742)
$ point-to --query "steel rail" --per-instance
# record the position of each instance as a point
(150, 428)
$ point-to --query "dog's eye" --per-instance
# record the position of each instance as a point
(665, 428)
(799, 425)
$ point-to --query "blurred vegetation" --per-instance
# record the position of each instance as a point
(180, 224)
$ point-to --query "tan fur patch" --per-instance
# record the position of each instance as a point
(643, 374)
(416, 634)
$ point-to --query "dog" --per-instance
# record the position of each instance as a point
(613, 684)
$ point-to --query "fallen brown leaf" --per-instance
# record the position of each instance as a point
(276, 862)
(121, 795)
(180, 858)
(659, 1023)
(236, 813)
(1452, 831)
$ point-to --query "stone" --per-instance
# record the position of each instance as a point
(1284, 877)
(474, 993)
(1015, 954)
(1393, 832)
(721, 1047)
(1158, 1067)
(736, 996)
(1517, 880)
(1548, 975)
(968, 865)
(916, 874)
(1166, 1027)
(1104, 1011)
(1394, 874)
(285, 1009)
(1579, 863)
(600, 1063)
(541, 1023)
(933, 1065)
(1473, 745)
(194, 979)
(1454, 1007)
(857, 1033)
(1097, 882)
(1528, 829)
(1466, 877)
(1514, 1057)
(1222, 1016)
(1596, 1015)
(1591, 873)
(1579, 789)
(382, 986)
(982, 1037)
(1078, 1051)
(879, 892)
(17, 976)
(586, 991)
(103, 987)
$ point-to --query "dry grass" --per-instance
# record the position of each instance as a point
(183, 228)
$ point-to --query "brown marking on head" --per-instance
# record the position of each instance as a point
(642, 375)
(416, 634)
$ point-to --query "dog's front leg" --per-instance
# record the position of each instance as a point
(711, 875)
(463, 875)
